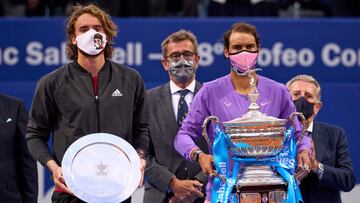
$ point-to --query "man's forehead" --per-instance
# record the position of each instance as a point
(183, 44)
(303, 86)
(87, 20)
(88, 24)
(243, 36)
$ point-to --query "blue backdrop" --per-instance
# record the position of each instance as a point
(328, 49)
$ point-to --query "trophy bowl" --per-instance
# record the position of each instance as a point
(256, 135)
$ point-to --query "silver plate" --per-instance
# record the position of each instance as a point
(101, 167)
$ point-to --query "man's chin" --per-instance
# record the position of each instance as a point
(89, 55)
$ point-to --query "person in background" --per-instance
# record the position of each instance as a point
(227, 98)
(243, 8)
(170, 177)
(91, 94)
(18, 177)
(331, 166)
(12, 8)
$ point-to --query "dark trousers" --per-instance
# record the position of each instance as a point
(62, 197)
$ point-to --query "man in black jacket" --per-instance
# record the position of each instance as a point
(331, 166)
(18, 172)
(171, 178)
(90, 94)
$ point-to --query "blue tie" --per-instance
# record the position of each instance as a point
(182, 107)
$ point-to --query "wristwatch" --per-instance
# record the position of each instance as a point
(320, 170)
(196, 154)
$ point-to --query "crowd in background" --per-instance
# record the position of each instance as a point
(188, 8)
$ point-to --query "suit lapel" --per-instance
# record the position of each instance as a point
(168, 125)
(319, 140)
(197, 87)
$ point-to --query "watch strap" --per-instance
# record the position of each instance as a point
(320, 171)
(195, 155)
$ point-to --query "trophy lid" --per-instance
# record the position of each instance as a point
(255, 118)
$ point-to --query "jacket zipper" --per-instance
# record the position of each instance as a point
(97, 112)
(96, 97)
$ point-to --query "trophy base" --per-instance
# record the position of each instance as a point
(260, 184)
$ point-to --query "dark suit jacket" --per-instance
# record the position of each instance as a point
(332, 150)
(18, 172)
(164, 161)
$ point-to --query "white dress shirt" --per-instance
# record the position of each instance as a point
(175, 95)
(310, 129)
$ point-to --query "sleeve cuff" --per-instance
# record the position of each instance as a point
(189, 156)
(305, 144)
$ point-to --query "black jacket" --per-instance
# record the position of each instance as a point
(331, 149)
(65, 104)
(18, 172)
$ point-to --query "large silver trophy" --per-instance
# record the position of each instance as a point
(260, 136)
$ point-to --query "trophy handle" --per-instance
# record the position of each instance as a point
(204, 126)
(302, 120)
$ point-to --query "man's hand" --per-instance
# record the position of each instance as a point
(304, 165)
(141, 154)
(57, 175)
(206, 163)
(142, 169)
(185, 190)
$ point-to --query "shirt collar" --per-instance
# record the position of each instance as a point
(311, 127)
(174, 88)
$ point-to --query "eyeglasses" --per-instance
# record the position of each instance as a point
(188, 55)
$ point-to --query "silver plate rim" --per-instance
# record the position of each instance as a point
(102, 138)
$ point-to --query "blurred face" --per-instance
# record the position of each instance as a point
(307, 90)
(239, 41)
(84, 23)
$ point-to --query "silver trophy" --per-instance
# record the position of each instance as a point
(260, 136)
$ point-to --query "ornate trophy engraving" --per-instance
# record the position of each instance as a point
(101, 169)
(255, 141)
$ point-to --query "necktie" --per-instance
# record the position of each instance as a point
(182, 107)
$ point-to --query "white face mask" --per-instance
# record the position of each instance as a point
(91, 42)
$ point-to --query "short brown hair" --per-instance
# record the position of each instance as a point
(109, 27)
(177, 37)
(241, 27)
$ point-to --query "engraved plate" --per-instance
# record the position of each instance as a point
(101, 167)
(277, 197)
(250, 198)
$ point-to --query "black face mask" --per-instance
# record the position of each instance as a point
(304, 107)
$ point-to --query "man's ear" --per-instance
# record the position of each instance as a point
(197, 61)
(317, 107)
(165, 64)
(73, 39)
(226, 53)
